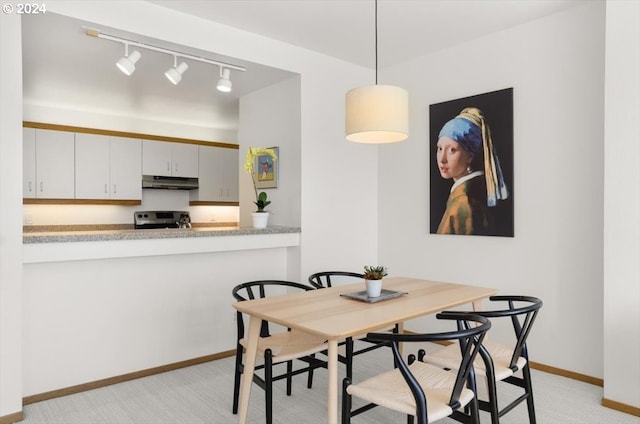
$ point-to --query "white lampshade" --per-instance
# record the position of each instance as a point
(377, 114)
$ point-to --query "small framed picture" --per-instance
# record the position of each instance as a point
(266, 170)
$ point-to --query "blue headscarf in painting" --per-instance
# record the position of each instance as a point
(465, 132)
(470, 130)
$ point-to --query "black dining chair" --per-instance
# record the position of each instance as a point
(325, 279)
(419, 389)
(500, 361)
(275, 348)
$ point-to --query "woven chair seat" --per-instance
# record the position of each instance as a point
(449, 357)
(390, 390)
(289, 345)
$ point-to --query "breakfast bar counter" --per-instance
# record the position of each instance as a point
(57, 246)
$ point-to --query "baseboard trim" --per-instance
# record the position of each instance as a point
(121, 378)
(565, 373)
(12, 418)
(622, 407)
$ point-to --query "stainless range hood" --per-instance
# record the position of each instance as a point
(170, 183)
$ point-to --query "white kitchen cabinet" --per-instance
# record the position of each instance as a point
(126, 168)
(218, 180)
(48, 164)
(230, 177)
(29, 163)
(92, 166)
(108, 167)
(168, 159)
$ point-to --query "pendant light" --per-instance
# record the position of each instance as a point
(377, 114)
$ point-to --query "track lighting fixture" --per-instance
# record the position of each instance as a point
(175, 74)
(224, 84)
(127, 64)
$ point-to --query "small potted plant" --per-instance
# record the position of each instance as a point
(260, 216)
(373, 276)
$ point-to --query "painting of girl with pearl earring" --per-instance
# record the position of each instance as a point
(471, 171)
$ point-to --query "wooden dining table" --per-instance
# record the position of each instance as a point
(326, 313)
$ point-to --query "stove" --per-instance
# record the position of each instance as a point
(161, 219)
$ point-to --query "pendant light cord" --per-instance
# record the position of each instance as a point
(376, 26)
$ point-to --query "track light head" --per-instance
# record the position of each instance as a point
(224, 84)
(175, 74)
(127, 64)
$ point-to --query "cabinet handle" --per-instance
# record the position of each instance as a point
(176, 166)
(114, 189)
(169, 166)
(105, 188)
(41, 186)
(30, 187)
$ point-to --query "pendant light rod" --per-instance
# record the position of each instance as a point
(175, 53)
(376, 27)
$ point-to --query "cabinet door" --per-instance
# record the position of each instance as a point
(126, 168)
(28, 163)
(156, 158)
(231, 175)
(184, 158)
(54, 164)
(92, 166)
(210, 175)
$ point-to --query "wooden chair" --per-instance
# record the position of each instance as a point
(275, 348)
(322, 280)
(419, 389)
(499, 362)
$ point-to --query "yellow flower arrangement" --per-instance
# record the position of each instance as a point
(253, 152)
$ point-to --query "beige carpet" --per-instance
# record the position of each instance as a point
(203, 393)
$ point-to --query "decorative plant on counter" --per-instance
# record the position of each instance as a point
(253, 152)
(374, 272)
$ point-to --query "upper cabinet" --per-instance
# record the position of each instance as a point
(168, 159)
(126, 168)
(218, 181)
(48, 164)
(108, 167)
(74, 165)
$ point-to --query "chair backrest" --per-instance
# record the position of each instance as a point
(471, 329)
(322, 279)
(261, 289)
(523, 311)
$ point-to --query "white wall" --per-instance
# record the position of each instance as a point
(622, 204)
(10, 216)
(94, 319)
(338, 206)
(271, 117)
(556, 68)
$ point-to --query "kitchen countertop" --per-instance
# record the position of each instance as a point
(131, 234)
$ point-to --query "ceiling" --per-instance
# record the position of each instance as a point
(346, 28)
(75, 71)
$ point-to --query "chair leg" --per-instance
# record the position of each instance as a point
(493, 395)
(526, 376)
(268, 385)
(349, 357)
(474, 410)
(310, 375)
(409, 419)
(289, 378)
(346, 402)
(236, 382)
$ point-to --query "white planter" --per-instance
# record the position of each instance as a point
(260, 219)
(374, 287)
